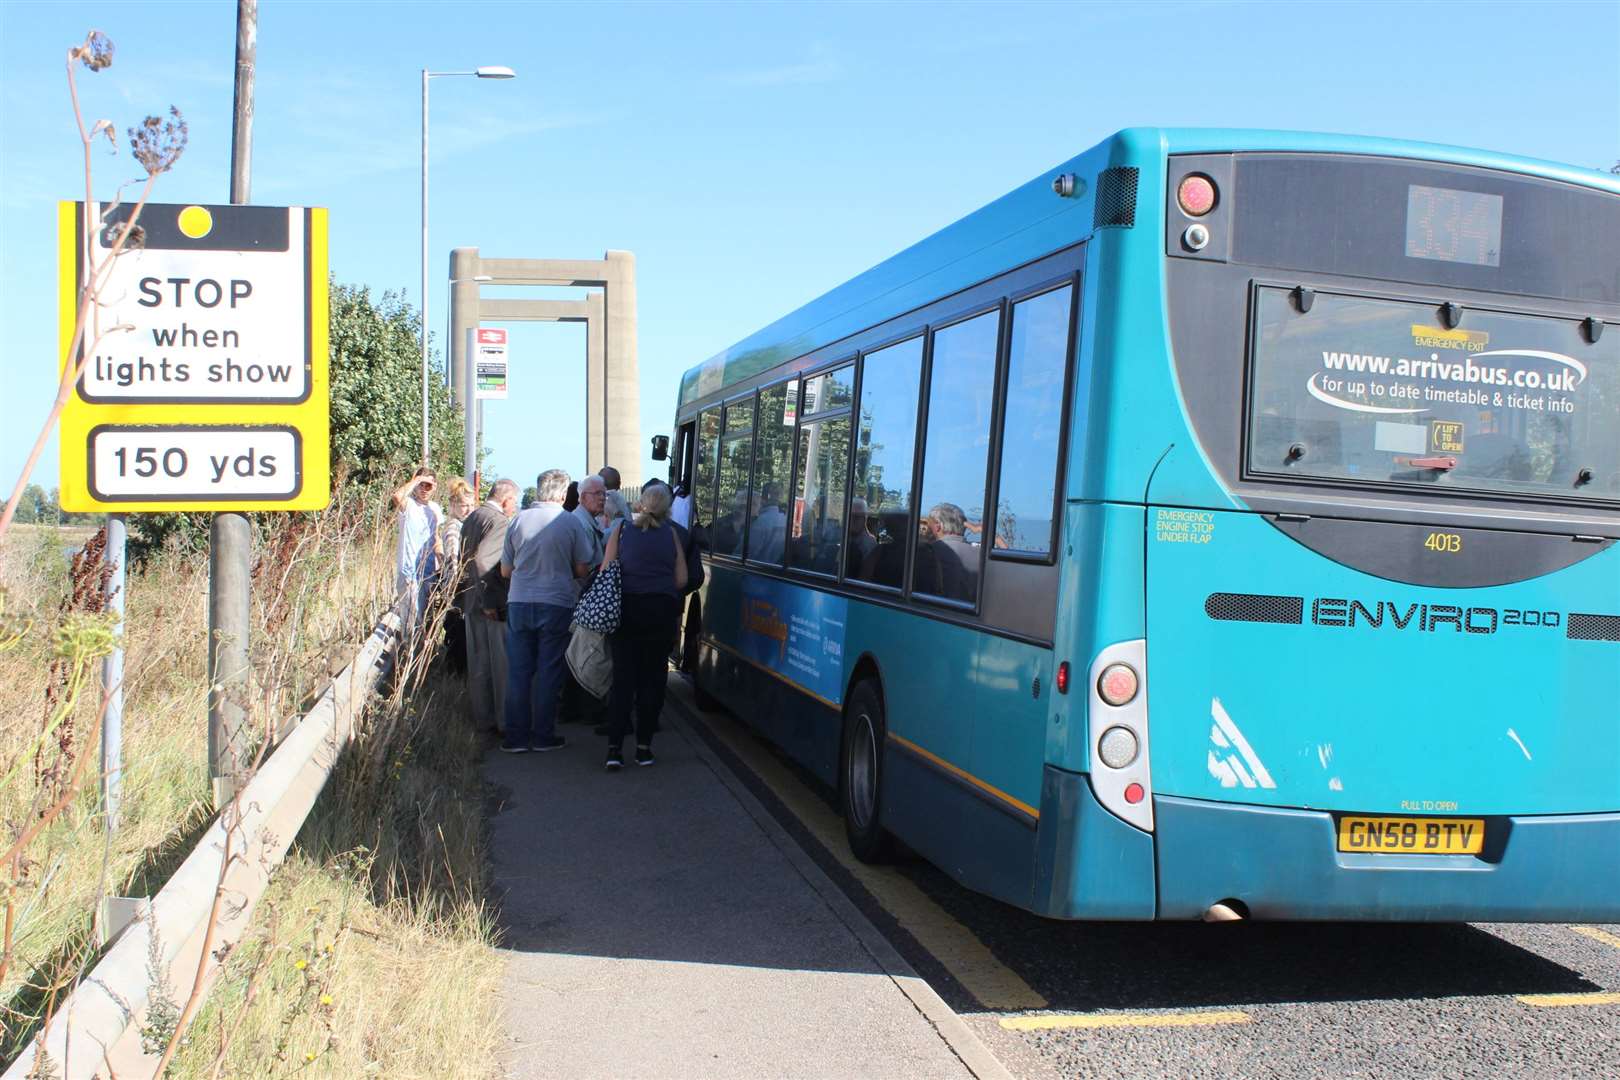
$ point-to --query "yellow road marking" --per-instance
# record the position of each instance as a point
(1545, 1000)
(1598, 935)
(1131, 1020)
(966, 957)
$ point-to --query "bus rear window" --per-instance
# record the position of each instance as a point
(1377, 391)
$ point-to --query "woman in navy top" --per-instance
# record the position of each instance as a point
(654, 573)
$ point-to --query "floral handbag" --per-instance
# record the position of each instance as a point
(598, 607)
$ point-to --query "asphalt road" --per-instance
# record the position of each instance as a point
(1055, 999)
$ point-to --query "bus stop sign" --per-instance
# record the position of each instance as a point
(204, 383)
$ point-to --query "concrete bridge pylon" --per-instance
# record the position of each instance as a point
(612, 379)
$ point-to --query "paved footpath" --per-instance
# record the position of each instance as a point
(659, 923)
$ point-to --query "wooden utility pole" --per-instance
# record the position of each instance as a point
(230, 547)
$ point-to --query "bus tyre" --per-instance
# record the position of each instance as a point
(860, 775)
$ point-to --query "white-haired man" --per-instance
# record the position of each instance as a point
(483, 537)
(547, 550)
(578, 705)
(592, 500)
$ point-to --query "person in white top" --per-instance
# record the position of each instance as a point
(681, 511)
(416, 559)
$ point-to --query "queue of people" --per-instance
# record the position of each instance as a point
(515, 578)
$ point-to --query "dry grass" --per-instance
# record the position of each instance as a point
(390, 863)
(376, 959)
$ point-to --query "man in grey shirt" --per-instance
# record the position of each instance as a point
(578, 704)
(483, 538)
(547, 550)
(592, 499)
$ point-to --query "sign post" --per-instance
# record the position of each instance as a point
(212, 394)
(487, 346)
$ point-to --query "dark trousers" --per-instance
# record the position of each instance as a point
(640, 647)
(579, 706)
(455, 642)
(536, 641)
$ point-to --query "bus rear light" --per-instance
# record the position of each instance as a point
(1117, 747)
(1117, 685)
(1063, 677)
(1196, 195)
(1119, 757)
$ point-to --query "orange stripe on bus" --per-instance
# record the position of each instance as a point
(777, 675)
(988, 789)
(965, 775)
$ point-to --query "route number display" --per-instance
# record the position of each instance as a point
(208, 387)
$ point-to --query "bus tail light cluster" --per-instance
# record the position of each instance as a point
(1118, 728)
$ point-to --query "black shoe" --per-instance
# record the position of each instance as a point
(615, 759)
(556, 742)
(644, 755)
(514, 749)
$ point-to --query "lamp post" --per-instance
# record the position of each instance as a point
(482, 73)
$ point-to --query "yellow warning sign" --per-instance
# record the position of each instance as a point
(203, 382)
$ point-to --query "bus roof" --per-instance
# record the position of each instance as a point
(1030, 222)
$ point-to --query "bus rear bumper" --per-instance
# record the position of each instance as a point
(1283, 864)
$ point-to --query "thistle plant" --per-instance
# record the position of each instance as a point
(156, 144)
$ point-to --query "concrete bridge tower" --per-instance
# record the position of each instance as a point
(612, 381)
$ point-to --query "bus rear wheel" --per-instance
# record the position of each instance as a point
(860, 775)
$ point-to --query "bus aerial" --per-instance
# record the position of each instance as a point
(1223, 524)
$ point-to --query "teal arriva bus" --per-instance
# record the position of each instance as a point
(1221, 525)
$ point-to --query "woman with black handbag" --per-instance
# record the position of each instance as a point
(653, 573)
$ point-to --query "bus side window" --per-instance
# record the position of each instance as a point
(735, 463)
(818, 531)
(956, 458)
(1032, 430)
(882, 512)
(705, 474)
(773, 457)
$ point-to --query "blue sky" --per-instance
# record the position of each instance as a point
(751, 156)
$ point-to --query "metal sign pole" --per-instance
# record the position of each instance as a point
(112, 678)
(230, 538)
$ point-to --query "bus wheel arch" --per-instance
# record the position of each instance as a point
(860, 766)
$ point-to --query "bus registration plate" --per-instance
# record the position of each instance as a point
(1412, 836)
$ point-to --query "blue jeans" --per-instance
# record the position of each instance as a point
(536, 638)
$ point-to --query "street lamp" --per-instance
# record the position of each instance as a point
(482, 73)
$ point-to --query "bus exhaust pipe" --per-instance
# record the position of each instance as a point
(1227, 911)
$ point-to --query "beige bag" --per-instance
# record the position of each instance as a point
(590, 661)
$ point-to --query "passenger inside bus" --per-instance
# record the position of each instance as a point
(958, 559)
(886, 565)
(728, 531)
(767, 534)
(862, 543)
